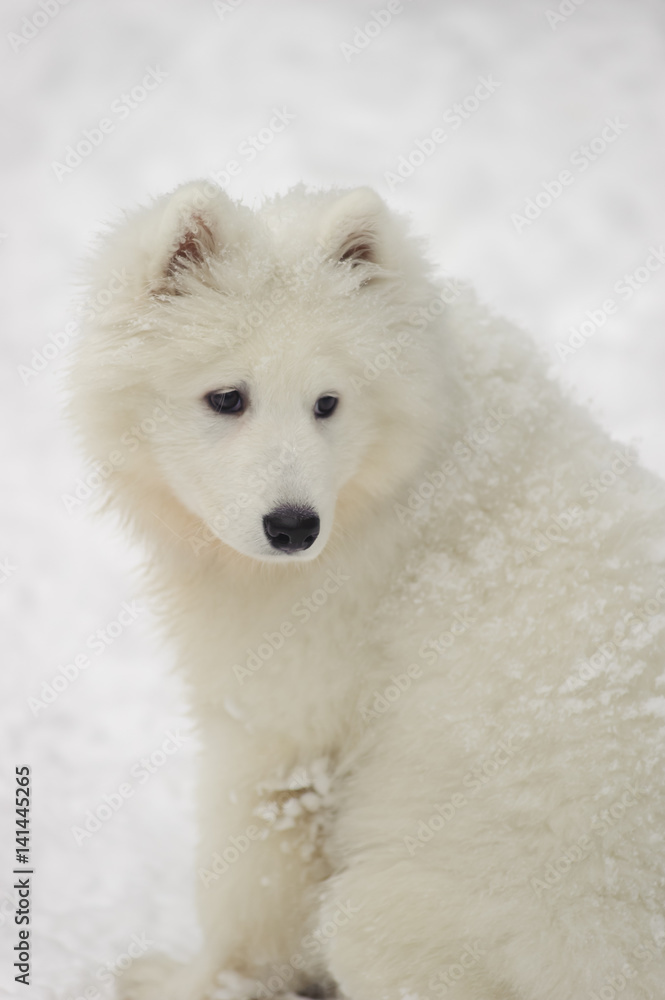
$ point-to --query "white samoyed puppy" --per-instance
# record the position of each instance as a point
(419, 600)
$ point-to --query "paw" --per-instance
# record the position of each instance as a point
(145, 978)
(158, 977)
(233, 986)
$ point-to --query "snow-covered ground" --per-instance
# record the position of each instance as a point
(535, 89)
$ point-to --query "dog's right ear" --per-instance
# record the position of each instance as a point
(354, 232)
(190, 234)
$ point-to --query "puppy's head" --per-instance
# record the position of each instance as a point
(256, 374)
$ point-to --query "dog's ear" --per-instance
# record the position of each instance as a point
(190, 235)
(352, 231)
(194, 245)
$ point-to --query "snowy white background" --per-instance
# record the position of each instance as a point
(67, 574)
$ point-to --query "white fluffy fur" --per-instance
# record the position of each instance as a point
(355, 877)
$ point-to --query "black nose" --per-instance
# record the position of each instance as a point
(291, 529)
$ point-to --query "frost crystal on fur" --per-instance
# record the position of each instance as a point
(433, 735)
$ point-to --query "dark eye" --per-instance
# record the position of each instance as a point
(229, 401)
(325, 406)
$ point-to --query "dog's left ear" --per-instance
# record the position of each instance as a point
(191, 232)
(353, 230)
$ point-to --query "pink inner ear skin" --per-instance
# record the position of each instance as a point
(357, 253)
(192, 247)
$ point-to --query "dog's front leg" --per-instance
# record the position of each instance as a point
(259, 867)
